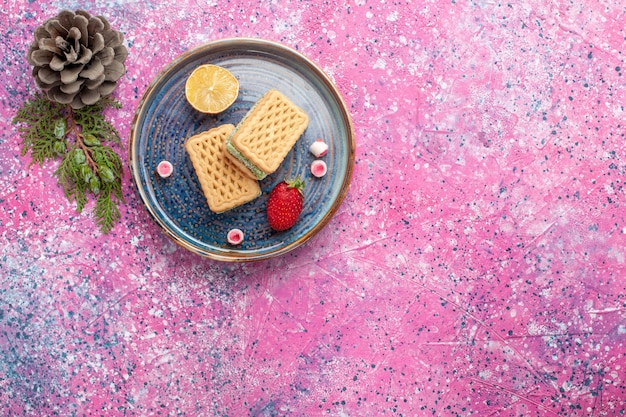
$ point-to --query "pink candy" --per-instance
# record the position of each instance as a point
(235, 236)
(318, 168)
(318, 148)
(165, 169)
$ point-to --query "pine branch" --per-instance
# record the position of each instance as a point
(36, 118)
(107, 212)
(89, 166)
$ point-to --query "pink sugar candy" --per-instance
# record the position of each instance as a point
(318, 148)
(165, 169)
(318, 168)
(235, 236)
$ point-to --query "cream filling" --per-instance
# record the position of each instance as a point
(247, 163)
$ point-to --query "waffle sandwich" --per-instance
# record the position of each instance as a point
(224, 185)
(264, 137)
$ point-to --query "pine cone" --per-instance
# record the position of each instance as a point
(77, 58)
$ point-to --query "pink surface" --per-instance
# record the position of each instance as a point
(476, 266)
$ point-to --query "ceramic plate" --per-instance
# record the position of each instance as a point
(164, 120)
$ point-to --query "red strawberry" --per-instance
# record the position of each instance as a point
(284, 204)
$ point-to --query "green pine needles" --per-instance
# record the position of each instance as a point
(78, 137)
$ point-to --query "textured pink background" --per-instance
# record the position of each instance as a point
(476, 267)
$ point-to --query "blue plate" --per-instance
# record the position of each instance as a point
(164, 120)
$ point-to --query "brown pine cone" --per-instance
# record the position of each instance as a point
(77, 58)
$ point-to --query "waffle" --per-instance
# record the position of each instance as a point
(223, 184)
(264, 137)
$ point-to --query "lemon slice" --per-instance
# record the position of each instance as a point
(211, 88)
